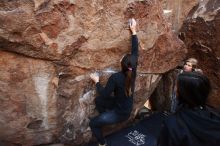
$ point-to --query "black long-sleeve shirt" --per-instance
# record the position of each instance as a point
(116, 85)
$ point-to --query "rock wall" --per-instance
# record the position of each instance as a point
(28, 99)
(201, 34)
(49, 47)
(176, 11)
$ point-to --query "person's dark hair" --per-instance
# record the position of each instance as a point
(128, 68)
(193, 89)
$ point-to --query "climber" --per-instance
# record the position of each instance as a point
(194, 123)
(116, 108)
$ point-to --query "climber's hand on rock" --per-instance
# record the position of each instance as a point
(132, 25)
(94, 77)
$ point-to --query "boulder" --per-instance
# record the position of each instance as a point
(48, 49)
(176, 11)
(28, 100)
(201, 34)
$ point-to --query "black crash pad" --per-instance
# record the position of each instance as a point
(143, 133)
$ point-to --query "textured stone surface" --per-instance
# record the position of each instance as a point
(85, 35)
(51, 48)
(201, 34)
(28, 100)
(176, 11)
(160, 99)
(77, 94)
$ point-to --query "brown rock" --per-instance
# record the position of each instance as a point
(78, 38)
(176, 11)
(201, 34)
(28, 100)
(29, 32)
(78, 94)
(47, 29)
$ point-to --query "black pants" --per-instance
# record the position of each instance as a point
(108, 116)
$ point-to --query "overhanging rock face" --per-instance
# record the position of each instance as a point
(48, 49)
(201, 34)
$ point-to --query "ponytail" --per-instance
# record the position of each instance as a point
(128, 81)
(128, 68)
